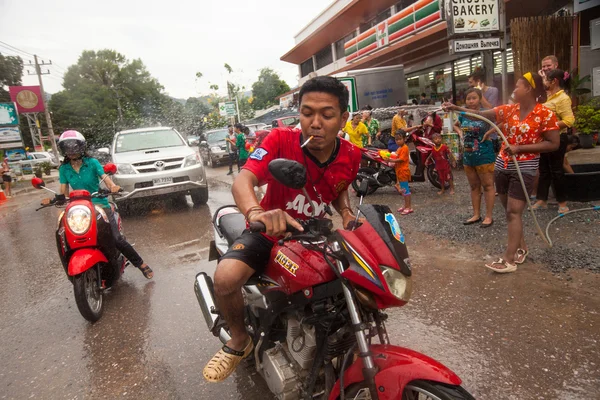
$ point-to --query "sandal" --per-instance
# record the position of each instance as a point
(147, 271)
(522, 254)
(563, 210)
(472, 221)
(407, 211)
(401, 209)
(538, 206)
(507, 266)
(225, 362)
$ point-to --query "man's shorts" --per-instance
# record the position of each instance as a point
(481, 169)
(253, 249)
(6, 178)
(508, 183)
(404, 188)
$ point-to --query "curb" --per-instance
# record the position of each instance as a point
(50, 179)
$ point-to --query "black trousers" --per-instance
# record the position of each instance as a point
(123, 245)
(232, 160)
(552, 173)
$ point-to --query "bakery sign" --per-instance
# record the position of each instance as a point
(472, 16)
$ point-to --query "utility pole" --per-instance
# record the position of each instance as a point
(39, 73)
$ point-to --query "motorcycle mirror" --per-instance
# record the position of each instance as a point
(38, 183)
(288, 172)
(110, 169)
(363, 188)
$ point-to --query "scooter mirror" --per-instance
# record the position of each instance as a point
(38, 183)
(363, 188)
(288, 172)
(110, 169)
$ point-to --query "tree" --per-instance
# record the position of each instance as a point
(11, 72)
(268, 86)
(105, 92)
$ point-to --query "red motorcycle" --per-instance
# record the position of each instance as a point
(86, 246)
(381, 173)
(316, 311)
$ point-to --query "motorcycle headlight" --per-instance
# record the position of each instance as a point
(215, 149)
(400, 285)
(125, 169)
(191, 160)
(79, 219)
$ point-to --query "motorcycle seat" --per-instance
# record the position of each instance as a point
(232, 226)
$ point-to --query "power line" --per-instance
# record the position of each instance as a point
(16, 49)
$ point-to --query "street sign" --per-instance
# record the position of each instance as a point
(8, 114)
(474, 45)
(227, 109)
(28, 98)
(10, 137)
(350, 84)
(467, 17)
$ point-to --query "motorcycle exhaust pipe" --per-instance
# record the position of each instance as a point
(203, 287)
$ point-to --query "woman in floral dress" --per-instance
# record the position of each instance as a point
(530, 129)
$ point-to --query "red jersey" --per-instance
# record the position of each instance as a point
(325, 181)
(441, 155)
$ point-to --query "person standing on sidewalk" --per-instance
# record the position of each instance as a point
(231, 148)
(551, 164)
(240, 143)
(373, 126)
(491, 95)
(6, 178)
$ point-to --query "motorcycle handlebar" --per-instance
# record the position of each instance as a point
(259, 227)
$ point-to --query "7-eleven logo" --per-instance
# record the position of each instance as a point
(382, 34)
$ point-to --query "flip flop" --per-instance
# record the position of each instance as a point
(407, 211)
(401, 209)
(476, 221)
(563, 210)
(521, 253)
(225, 362)
(536, 206)
(507, 266)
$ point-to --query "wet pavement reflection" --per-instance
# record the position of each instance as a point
(531, 335)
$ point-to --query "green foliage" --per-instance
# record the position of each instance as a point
(268, 86)
(587, 118)
(11, 71)
(105, 92)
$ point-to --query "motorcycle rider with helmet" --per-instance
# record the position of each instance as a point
(84, 173)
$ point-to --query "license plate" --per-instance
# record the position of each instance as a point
(162, 181)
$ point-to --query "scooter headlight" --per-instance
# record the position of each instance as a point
(79, 219)
(400, 285)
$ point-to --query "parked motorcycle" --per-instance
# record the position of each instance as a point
(316, 311)
(381, 173)
(86, 246)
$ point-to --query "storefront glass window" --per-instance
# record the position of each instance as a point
(436, 83)
(462, 69)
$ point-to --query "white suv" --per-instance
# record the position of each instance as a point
(157, 162)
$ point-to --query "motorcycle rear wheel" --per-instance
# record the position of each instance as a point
(356, 182)
(434, 178)
(88, 295)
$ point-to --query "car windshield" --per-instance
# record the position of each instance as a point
(215, 137)
(135, 141)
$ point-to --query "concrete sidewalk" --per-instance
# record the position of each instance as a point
(23, 184)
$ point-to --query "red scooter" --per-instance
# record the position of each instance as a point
(86, 246)
(381, 173)
(316, 311)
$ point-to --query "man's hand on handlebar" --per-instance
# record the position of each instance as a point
(276, 222)
(115, 189)
(59, 199)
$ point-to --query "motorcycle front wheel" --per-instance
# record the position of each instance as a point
(426, 390)
(356, 183)
(88, 295)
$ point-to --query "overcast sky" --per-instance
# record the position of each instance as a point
(174, 39)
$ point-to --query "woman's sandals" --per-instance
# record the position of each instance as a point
(225, 362)
(505, 267)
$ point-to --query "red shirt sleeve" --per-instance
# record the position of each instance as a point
(502, 112)
(258, 162)
(549, 121)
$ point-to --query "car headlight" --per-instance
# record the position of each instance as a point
(79, 219)
(215, 149)
(400, 285)
(125, 169)
(192, 159)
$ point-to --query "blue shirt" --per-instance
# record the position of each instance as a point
(477, 152)
(88, 178)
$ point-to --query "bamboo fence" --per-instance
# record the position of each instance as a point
(534, 38)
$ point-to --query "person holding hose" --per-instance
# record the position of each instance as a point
(530, 129)
(551, 164)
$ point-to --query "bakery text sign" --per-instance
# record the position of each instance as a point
(472, 16)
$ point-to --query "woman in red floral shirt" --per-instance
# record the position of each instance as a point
(531, 129)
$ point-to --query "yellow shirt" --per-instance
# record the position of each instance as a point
(560, 103)
(357, 134)
(398, 123)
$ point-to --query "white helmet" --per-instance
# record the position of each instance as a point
(71, 142)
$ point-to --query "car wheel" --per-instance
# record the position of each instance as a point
(199, 196)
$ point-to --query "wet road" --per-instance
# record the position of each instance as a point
(530, 335)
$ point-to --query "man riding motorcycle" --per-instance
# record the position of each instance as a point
(331, 163)
(84, 173)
